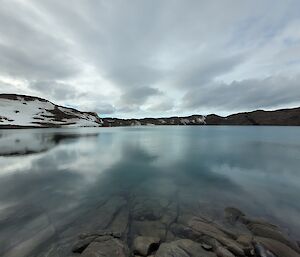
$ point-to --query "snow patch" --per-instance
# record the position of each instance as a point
(20, 111)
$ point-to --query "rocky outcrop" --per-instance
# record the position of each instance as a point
(192, 236)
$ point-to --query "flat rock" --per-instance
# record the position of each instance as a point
(268, 232)
(147, 209)
(233, 214)
(149, 228)
(278, 248)
(247, 221)
(245, 240)
(81, 244)
(144, 245)
(211, 230)
(183, 248)
(206, 247)
(120, 222)
(223, 252)
(111, 247)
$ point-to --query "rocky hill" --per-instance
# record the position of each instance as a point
(284, 117)
(17, 111)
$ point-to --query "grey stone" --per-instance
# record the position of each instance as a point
(206, 247)
(233, 214)
(278, 248)
(143, 245)
(223, 252)
(150, 228)
(245, 240)
(109, 248)
(81, 244)
(183, 248)
(268, 232)
(210, 230)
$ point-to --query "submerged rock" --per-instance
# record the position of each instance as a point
(272, 233)
(268, 246)
(150, 228)
(81, 244)
(186, 236)
(85, 239)
(245, 240)
(206, 247)
(143, 245)
(223, 252)
(233, 214)
(183, 248)
(106, 247)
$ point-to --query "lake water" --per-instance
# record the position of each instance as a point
(56, 183)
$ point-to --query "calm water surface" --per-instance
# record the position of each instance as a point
(54, 183)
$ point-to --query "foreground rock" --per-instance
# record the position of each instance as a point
(191, 236)
(106, 247)
(144, 246)
(183, 248)
(103, 244)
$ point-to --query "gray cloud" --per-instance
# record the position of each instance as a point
(137, 96)
(54, 90)
(245, 95)
(162, 106)
(104, 109)
(29, 51)
(129, 52)
(197, 74)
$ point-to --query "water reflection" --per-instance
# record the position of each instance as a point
(83, 180)
(13, 143)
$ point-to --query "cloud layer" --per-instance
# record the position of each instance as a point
(153, 58)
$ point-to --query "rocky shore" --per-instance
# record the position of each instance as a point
(168, 232)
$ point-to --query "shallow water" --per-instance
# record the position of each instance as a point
(56, 183)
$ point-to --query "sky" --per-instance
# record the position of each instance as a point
(153, 58)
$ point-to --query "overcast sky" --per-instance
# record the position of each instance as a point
(140, 58)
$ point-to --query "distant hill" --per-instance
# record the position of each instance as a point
(20, 111)
(284, 117)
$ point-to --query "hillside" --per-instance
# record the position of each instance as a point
(27, 111)
(284, 117)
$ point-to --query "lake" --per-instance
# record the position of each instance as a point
(57, 183)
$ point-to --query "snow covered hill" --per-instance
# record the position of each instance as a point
(28, 111)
